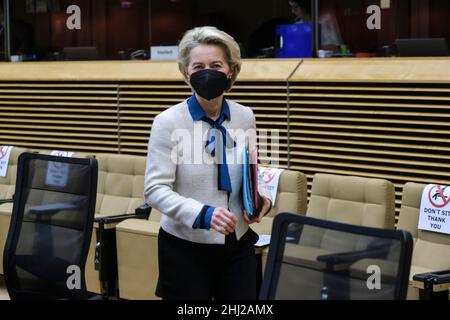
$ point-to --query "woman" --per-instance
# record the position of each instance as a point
(205, 246)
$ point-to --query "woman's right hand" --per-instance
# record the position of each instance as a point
(223, 221)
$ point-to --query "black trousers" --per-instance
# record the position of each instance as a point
(195, 271)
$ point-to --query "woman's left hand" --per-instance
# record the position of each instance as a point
(265, 210)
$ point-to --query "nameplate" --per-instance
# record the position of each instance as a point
(164, 53)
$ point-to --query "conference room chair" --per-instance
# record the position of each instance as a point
(7, 188)
(355, 200)
(430, 268)
(354, 262)
(120, 195)
(347, 199)
(51, 226)
(137, 240)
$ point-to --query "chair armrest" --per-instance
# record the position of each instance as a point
(142, 212)
(340, 261)
(48, 209)
(438, 281)
(6, 201)
(105, 257)
(113, 220)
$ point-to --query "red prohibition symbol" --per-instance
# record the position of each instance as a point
(439, 193)
(270, 177)
(3, 152)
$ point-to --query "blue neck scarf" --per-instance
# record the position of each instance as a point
(219, 139)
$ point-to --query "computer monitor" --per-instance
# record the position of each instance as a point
(80, 53)
(425, 47)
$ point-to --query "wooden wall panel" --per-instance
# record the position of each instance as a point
(140, 103)
(393, 131)
(68, 116)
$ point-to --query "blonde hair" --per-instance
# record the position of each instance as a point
(213, 36)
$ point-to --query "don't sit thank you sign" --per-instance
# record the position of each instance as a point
(435, 209)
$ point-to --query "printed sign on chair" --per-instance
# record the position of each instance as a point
(435, 209)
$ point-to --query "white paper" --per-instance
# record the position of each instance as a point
(264, 240)
(57, 172)
(268, 181)
(62, 153)
(434, 213)
(5, 152)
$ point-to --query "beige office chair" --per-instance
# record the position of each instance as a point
(137, 240)
(431, 250)
(346, 199)
(354, 200)
(120, 192)
(7, 189)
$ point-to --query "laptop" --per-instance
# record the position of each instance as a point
(422, 47)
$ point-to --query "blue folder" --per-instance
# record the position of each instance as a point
(248, 189)
(246, 181)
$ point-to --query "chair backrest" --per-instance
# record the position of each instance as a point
(120, 183)
(355, 200)
(51, 226)
(431, 249)
(291, 194)
(378, 269)
(8, 183)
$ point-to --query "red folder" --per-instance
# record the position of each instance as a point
(257, 203)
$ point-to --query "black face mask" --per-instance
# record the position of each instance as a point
(209, 84)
